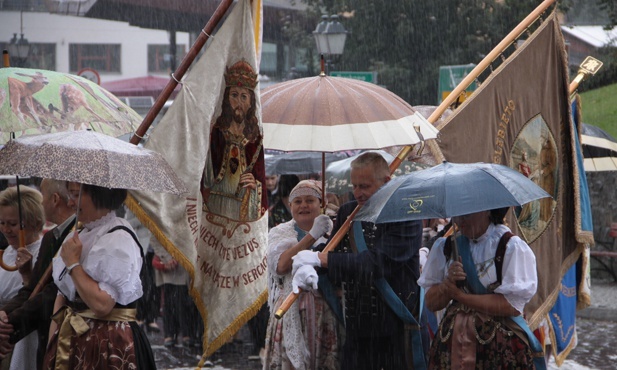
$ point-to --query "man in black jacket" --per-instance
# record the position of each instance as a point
(24, 314)
(375, 336)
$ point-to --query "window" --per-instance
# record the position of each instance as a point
(159, 57)
(101, 57)
(42, 56)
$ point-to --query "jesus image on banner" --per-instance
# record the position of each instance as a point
(232, 184)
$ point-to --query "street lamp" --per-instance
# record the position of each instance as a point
(19, 49)
(330, 36)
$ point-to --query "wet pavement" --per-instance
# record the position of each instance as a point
(596, 349)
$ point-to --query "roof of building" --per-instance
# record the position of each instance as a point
(596, 36)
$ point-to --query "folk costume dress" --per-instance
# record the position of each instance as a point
(113, 259)
(24, 352)
(483, 341)
(307, 335)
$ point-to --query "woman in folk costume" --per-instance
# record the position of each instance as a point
(307, 336)
(33, 218)
(97, 273)
(483, 326)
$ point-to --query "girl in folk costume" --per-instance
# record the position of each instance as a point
(484, 293)
(307, 336)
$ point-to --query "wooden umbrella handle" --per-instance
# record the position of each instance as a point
(22, 244)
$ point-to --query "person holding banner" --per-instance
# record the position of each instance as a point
(97, 272)
(484, 292)
(307, 336)
(370, 257)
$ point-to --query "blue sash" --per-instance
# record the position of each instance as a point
(395, 303)
(325, 286)
(476, 287)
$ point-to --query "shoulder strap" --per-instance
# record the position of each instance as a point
(122, 227)
(500, 253)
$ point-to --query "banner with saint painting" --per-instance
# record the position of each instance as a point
(520, 117)
(212, 137)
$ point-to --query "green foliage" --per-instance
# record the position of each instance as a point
(406, 41)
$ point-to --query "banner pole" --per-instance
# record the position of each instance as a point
(176, 76)
(498, 50)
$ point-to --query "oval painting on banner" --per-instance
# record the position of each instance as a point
(534, 154)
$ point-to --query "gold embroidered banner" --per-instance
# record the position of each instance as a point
(212, 137)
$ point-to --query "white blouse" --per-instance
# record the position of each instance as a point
(111, 259)
(519, 276)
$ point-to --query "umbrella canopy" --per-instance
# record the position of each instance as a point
(35, 101)
(449, 190)
(299, 163)
(91, 158)
(140, 86)
(329, 114)
(338, 173)
(599, 149)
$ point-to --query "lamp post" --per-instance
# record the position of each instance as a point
(19, 49)
(330, 36)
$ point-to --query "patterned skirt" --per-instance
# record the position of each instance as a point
(469, 340)
(106, 345)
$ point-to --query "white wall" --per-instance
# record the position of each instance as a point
(64, 30)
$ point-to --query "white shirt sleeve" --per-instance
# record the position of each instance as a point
(519, 280)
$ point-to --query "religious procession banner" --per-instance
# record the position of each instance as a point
(520, 117)
(212, 137)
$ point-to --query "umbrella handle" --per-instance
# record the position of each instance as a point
(22, 244)
(333, 243)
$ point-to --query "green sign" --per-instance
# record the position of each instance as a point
(362, 76)
(450, 77)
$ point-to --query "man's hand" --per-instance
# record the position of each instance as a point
(5, 330)
(305, 258)
(321, 225)
(304, 278)
(248, 181)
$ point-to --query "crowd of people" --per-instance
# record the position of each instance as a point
(359, 305)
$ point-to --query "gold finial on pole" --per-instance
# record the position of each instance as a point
(589, 67)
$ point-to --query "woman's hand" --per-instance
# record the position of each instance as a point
(71, 250)
(456, 272)
(23, 261)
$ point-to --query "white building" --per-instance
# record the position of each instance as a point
(68, 43)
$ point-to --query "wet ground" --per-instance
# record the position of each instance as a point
(596, 349)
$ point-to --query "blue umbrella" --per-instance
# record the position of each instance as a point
(448, 190)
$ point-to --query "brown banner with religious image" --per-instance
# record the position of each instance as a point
(520, 117)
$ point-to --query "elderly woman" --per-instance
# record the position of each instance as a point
(97, 274)
(306, 337)
(33, 217)
(485, 292)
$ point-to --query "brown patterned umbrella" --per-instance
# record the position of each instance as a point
(91, 158)
(329, 114)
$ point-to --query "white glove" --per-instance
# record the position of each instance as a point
(305, 278)
(321, 225)
(305, 258)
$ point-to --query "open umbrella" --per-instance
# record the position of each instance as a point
(338, 173)
(35, 101)
(599, 149)
(299, 163)
(91, 158)
(329, 114)
(449, 190)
